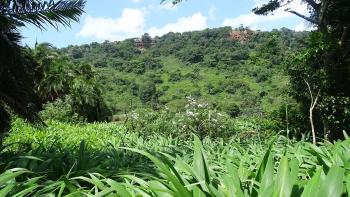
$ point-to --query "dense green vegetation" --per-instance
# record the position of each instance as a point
(19, 72)
(209, 65)
(58, 164)
(218, 112)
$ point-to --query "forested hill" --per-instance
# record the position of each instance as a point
(238, 71)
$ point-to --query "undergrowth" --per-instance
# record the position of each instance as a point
(108, 160)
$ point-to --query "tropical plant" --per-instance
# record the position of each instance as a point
(18, 70)
(161, 166)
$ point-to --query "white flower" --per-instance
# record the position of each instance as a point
(189, 113)
(135, 116)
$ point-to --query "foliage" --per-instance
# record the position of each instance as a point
(75, 84)
(148, 92)
(18, 69)
(324, 64)
(196, 118)
(61, 110)
(161, 165)
(232, 109)
(203, 121)
(309, 66)
(146, 40)
(249, 73)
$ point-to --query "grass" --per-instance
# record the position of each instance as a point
(106, 160)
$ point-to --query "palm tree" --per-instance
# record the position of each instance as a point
(18, 70)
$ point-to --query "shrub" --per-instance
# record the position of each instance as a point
(175, 76)
(232, 109)
(147, 91)
(201, 119)
(61, 110)
(198, 118)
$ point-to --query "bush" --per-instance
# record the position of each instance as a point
(197, 118)
(194, 75)
(147, 91)
(211, 89)
(175, 76)
(61, 110)
(232, 109)
(156, 78)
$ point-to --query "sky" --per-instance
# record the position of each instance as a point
(116, 20)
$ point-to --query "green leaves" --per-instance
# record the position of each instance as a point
(283, 183)
(325, 186)
(332, 185)
(40, 12)
(202, 168)
(266, 182)
(200, 161)
(285, 179)
(9, 185)
(19, 71)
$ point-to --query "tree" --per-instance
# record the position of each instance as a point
(327, 15)
(331, 112)
(325, 63)
(146, 40)
(147, 91)
(311, 110)
(18, 70)
(332, 19)
(62, 79)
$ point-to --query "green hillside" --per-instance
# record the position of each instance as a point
(226, 68)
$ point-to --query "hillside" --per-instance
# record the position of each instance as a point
(238, 71)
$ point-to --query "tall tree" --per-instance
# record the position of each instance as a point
(332, 19)
(18, 70)
(325, 63)
(146, 40)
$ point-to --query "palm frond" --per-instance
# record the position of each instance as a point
(39, 13)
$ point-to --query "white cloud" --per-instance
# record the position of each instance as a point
(195, 22)
(132, 24)
(254, 20)
(211, 13)
(149, 9)
(129, 24)
(304, 27)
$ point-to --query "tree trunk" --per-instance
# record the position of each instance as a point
(312, 126)
(312, 107)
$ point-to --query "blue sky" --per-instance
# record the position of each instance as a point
(120, 19)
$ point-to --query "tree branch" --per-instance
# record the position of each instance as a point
(302, 16)
(310, 92)
(313, 4)
(315, 101)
